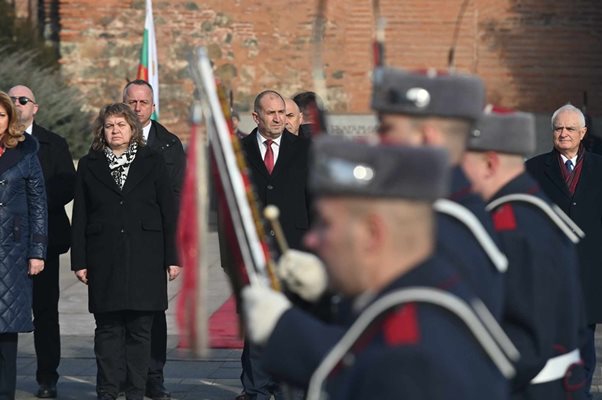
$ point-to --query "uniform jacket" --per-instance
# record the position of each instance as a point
(412, 351)
(457, 244)
(170, 147)
(59, 177)
(543, 311)
(585, 208)
(286, 187)
(23, 232)
(125, 238)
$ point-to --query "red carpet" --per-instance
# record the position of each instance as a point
(223, 327)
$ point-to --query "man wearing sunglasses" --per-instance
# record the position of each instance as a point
(59, 177)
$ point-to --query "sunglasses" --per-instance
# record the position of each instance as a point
(22, 100)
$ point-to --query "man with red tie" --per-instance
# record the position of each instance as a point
(278, 167)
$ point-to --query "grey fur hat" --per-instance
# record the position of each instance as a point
(342, 167)
(504, 132)
(430, 93)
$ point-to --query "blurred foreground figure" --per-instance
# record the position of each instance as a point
(376, 234)
(543, 311)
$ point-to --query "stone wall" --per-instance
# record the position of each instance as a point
(534, 54)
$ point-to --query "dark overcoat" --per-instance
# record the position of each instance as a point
(411, 351)
(125, 238)
(543, 309)
(170, 147)
(286, 187)
(585, 208)
(23, 232)
(59, 177)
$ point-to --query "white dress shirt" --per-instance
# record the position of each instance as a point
(263, 147)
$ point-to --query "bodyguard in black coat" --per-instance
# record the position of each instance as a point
(124, 220)
(170, 147)
(578, 192)
(59, 178)
(138, 94)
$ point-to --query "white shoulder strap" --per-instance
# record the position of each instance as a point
(438, 297)
(554, 213)
(465, 216)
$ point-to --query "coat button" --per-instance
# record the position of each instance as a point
(270, 187)
(121, 202)
(272, 233)
(574, 203)
(122, 230)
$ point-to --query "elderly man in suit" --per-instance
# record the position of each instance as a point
(571, 177)
(59, 177)
(278, 166)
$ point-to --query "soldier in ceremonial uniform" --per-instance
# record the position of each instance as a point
(435, 109)
(543, 313)
(376, 234)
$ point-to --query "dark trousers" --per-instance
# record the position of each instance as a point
(588, 354)
(47, 338)
(158, 354)
(256, 382)
(122, 343)
(8, 365)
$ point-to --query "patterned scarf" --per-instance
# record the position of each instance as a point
(572, 178)
(120, 166)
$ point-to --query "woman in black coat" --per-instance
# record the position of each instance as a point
(23, 236)
(123, 246)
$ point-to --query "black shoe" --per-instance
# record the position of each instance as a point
(46, 391)
(157, 391)
(105, 396)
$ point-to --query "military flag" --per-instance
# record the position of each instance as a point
(148, 68)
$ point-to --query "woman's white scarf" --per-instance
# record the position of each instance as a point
(120, 165)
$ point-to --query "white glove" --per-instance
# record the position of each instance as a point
(263, 308)
(303, 273)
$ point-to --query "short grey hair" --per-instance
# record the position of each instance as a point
(138, 82)
(569, 108)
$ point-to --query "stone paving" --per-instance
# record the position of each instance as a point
(213, 378)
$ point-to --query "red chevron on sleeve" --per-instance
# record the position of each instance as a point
(504, 218)
(402, 327)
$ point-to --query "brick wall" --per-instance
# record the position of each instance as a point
(533, 54)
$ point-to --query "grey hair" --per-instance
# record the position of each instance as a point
(569, 108)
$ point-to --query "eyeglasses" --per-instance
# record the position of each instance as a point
(22, 100)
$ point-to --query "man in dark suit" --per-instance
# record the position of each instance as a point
(571, 177)
(59, 177)
(278, 165)
(138, 94)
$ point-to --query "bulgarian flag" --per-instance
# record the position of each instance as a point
(148, 69)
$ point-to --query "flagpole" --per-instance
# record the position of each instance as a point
(201, 344)
(148, 67)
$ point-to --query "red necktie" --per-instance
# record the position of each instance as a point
(268, 160)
